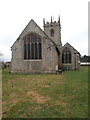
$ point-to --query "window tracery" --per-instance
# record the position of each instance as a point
(32, 47)
(66, 56)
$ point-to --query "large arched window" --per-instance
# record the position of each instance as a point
(32, 47)
(52, 32)
(66, 56)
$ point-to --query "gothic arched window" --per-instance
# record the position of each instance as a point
(66, 56)
(32, 47)
(52, 32)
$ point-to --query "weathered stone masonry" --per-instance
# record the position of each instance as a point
(38, 51)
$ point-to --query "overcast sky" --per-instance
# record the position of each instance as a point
(15, 15)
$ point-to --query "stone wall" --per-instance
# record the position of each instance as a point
(49, 55)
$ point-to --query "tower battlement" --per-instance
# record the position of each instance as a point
(52, 23)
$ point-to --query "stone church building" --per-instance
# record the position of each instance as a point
(41, 51)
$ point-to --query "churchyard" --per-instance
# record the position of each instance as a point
(45, 95)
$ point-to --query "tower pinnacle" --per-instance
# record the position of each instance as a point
(51, 19)
(43, 21)
(59, 19)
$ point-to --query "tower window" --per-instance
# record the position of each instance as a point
(32, 47)
(66, 56)
(52, 33)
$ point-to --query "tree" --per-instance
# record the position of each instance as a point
(85, 58)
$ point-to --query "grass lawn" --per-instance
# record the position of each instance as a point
(45, 95)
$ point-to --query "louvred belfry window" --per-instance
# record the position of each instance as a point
(66, 56)
(32, 47)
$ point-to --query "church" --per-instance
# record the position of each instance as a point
(41, 51)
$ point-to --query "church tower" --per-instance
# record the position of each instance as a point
(53, 30)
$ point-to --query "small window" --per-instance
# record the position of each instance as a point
(66, 56)
(52, 33)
